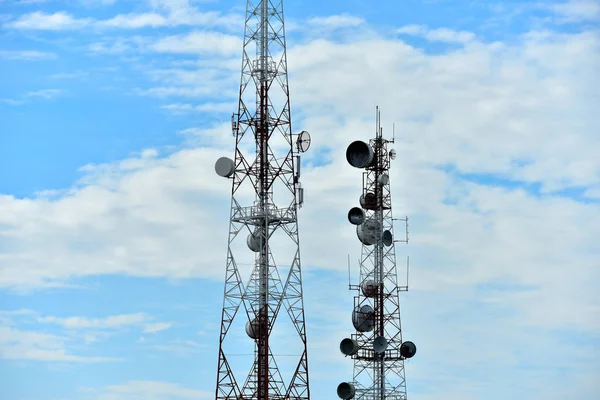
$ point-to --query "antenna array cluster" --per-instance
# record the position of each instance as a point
(377, 347)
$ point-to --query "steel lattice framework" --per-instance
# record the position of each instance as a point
(378, 371)
(262, 126)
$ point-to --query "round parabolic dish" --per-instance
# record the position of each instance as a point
(253, 241)
(356, 216)
(368, 288)
(224, 167)
(380, 344)
(348, 347)
(359, 154)
(252, 328)
(368, 201)
(387, 238)
(369, 231)
(346, 391)
(408, 349)
(383, 179)
(362, 318)
(303, 141)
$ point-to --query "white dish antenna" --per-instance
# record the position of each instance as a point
(303, 142)
(380, 344)
(369, 231)
(392, 154)
(225, 167)
(252, 328)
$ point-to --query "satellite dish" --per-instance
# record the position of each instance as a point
(349, 347)
(303, 142)
(252, 328)
(360, 155)
(380, 344)
(356, 216)
(368, 201)
(225, 167)
(346, 391)
(408, 349)
(387, 238)
(392, 154)
(383, 179)
(368, 288)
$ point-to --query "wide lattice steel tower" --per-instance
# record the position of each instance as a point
(377, 347)
(265, 198)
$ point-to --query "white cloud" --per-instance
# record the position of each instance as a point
(337, 21)
(578, 10)
(28, 55)
(157, 327)
(45, 93)
(437, 35)
(12, 102)
(199, 43)
(52, 22)
(17, 344)
(142, 390)
(177, 14)
(111, 322)
(183, 108)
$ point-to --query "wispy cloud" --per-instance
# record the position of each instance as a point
(45, 93)
(27, 55)
(12, 102)
(52, 22)
(437, 35)
(199, 43)
(16, 344)
(337, 21)
(139, 390)
(577, 10)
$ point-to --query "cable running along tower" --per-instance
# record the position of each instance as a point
(377, 347)
(265, 197)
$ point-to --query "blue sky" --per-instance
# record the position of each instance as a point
(113, 226)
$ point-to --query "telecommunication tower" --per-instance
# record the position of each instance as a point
(266, 168)
(377, 347)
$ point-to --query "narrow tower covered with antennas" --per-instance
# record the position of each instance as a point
(263, 229)
(376, 347)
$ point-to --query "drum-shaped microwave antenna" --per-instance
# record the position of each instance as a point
(303, 141)
(356, 216)
(383, 179)
(387, 238)
(349, 347)
(252, 328)
(368, 201)
(363, 318)
(225, 167)
(369, 231)
(392, 154)
(346, 391)
(408, 349)
(360, 155)
(380, 344)
(253, 240)
(368, 288)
